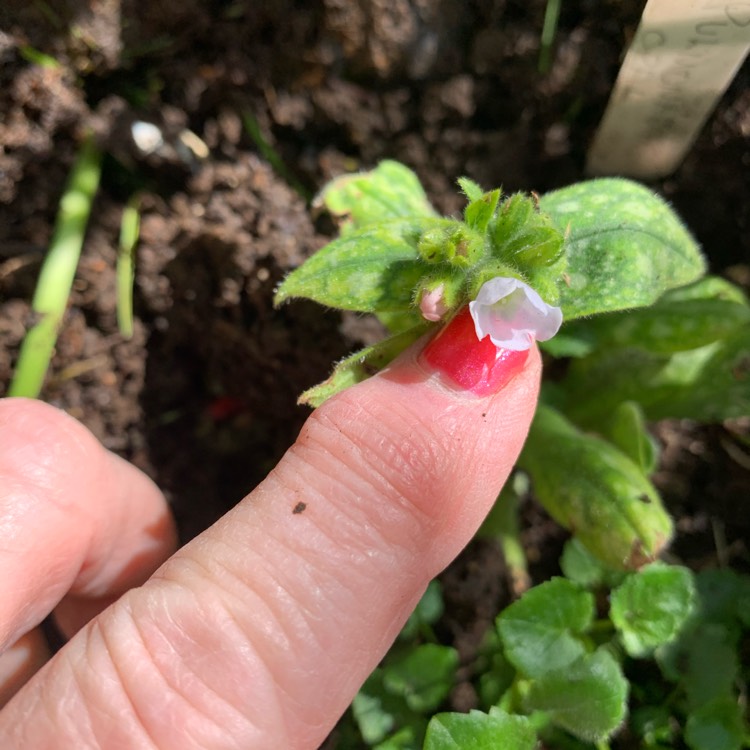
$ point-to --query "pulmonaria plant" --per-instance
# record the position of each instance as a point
(604, 274)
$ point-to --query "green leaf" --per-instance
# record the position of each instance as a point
(627, 430)
(427, 612)
(704, 660)
(651, 607)
(390, 191)
(479, 731)
(377, 712)
(423, 677)
(669, 325)
(606, 500)
(470, 189)
(625, 246)
(523, 236)
(361, 365)
(717, 725)
(480, 211)
(709, 384)
(581, 567)
(541, 631)
(368, 270)
(588, 697)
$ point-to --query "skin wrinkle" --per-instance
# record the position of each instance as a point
(97, 628)
(172, 718)
(259, 651)
(402, 467)
(369, 513)
(179, 690)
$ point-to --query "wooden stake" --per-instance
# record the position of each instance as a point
(682, 59)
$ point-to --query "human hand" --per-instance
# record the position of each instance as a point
(258, 633)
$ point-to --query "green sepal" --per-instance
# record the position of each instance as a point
(367, 270)
(523, 236)
(625, 246)
(390, 191)
(479, 212)
(451, 241)
(605, 500)
(362, 365)
(470, 189)
(626, 428)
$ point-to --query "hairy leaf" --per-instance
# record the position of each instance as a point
(541, 630)
(625, 246)
(651, 607)
(480, 731)
(368, 270)
(592, 488)
(390, 191)
(588, 697)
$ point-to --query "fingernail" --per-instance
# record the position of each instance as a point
(468, 363)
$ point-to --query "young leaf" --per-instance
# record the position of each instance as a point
(588, 697)
(479, 731)
(470, 189)
(423, 676)
(606, 500)
(651, 607)
(361, 365)
(390, 191)
(704, 661)
(717, 725)
(480, 211)
(541, 630)
(378, 713)
(368, 270)
(625, 246)
(427, 612)
(581, 567)
(627, 430)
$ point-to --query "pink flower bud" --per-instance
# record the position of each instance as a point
(432, 304)
(513, 315)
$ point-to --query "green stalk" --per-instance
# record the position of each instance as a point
(549, 30)
(56, 277)
(502, 524)
(129, 232)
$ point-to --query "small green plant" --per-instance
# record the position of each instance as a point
(56, 277)
(647, 335)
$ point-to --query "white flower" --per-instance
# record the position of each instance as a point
(513, 315)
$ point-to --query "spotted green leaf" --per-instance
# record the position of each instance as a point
(625, 246)
(390, 191)
(373, 269)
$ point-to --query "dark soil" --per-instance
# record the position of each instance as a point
(210, 378)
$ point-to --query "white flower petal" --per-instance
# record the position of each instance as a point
(513, 315)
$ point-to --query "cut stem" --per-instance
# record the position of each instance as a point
(57, 273)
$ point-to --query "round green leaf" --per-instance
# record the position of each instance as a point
(479, 731)
(718, 725)
(651, 606)
(540, 631)
(588, 697)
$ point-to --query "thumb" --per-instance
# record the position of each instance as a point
(259, 632)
